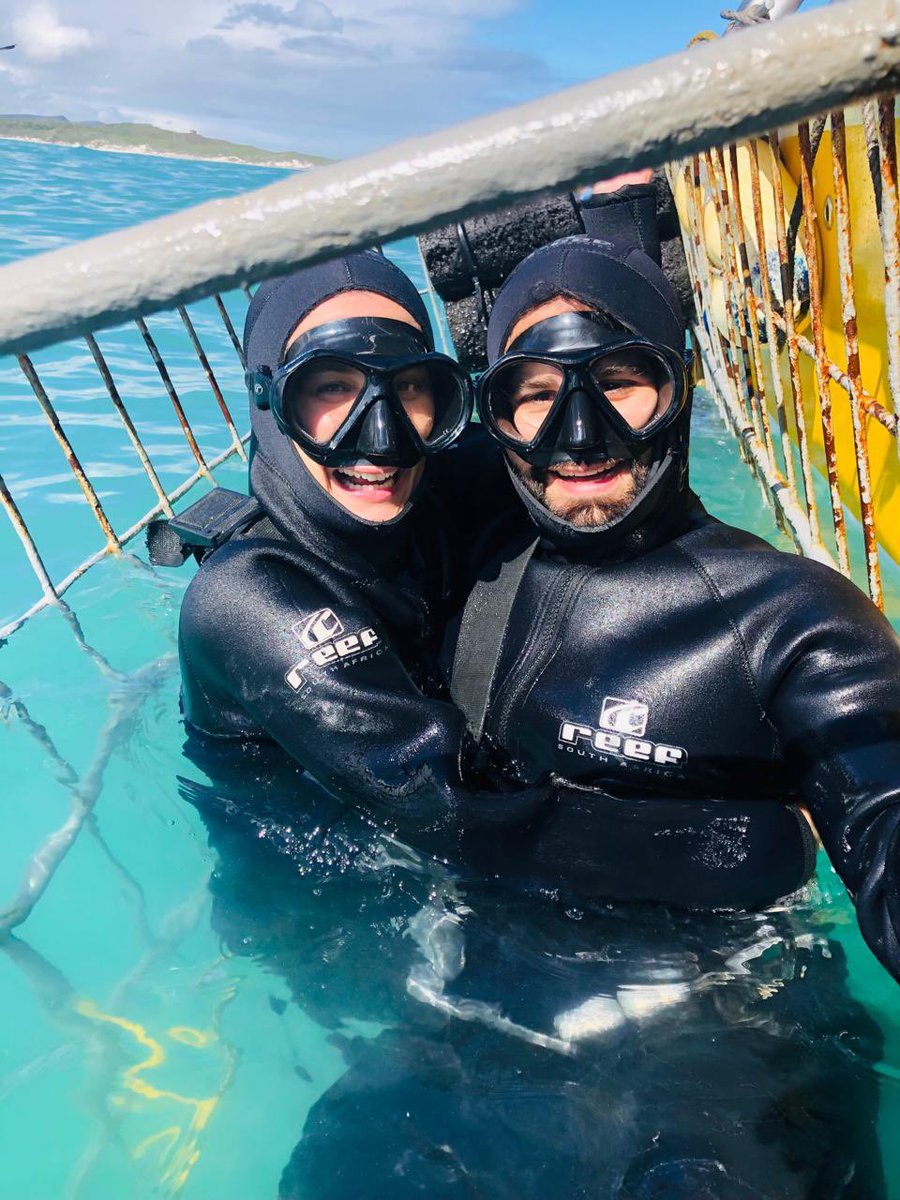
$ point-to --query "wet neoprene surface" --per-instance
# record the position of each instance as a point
(700, 690)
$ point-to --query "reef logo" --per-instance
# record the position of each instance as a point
(619, 735)
(322, 633)
(624, 716)
(320, 627)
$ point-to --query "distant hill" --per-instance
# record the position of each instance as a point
(148, 139)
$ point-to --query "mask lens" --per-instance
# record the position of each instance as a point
(520, 396)
(319, 396)
(434, 397)
(639, 384)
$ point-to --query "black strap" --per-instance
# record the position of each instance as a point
(202, 528)
(481, 634)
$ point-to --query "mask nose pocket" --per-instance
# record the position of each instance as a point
(580, 427)
(378, 434)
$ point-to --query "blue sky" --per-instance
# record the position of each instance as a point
(333, 77)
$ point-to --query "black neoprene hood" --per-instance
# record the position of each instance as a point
(285, 302)
(621, 282)
(297, 504)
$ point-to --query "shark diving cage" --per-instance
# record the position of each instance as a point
(781, 148)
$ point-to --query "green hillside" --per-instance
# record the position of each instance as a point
(148, 139)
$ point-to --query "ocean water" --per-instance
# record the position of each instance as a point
(183, 993)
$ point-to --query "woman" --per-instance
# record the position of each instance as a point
(316, 627)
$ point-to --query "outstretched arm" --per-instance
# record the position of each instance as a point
(837, 710)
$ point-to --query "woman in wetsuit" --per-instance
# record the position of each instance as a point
(314, 629)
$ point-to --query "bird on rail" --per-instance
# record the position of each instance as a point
(754, 12)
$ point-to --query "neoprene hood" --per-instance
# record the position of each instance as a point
(291, 497)
(627, 288)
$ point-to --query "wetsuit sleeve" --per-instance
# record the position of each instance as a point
(837, 712)
(318, 675)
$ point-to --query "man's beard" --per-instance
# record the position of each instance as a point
(589, 511)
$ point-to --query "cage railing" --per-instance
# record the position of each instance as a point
(764, 266)
(682, 105)
(114, 539)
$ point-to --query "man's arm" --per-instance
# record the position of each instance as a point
(837, 711)
(315, 670)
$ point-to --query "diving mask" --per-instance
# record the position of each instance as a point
(570, 387)
(366, 388)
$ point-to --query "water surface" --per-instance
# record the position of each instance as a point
(173, 1008)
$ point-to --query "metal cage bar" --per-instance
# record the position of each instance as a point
(645, 116)
(851, 339)
(46, 405)
(757, 359)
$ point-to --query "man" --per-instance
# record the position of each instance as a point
(697, 688)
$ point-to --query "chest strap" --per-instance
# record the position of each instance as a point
(481, 633)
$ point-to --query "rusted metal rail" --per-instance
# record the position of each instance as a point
(114, 539)
(800, 345)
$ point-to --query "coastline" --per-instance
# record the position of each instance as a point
(149, 151)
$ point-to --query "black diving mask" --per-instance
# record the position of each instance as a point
(366, 388)
(572, 388)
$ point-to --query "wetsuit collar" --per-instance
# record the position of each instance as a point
(304, 512)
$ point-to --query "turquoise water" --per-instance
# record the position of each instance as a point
(170, 1016)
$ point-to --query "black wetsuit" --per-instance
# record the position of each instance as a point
(747, 681)
(319, 633)
(699, 691)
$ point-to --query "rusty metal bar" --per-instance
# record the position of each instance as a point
(84, 483)
(738, 338)
(173, 396)
(45, 861)
(890, 421)
(696, 252)
(787, 301)
(775, 489)
(889, 223)
(762, 251)
(644, 116)
(822, 376)
(851, 340)
(230, 330)
(748, 308)
(132, 531)
(34, 557)
(213, 382)
(126, 420)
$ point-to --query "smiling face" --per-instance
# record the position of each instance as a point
(586, 492)
(368, 491)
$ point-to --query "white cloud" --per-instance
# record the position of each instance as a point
(42, 37)
(334, 77)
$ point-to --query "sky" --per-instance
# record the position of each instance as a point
(331, 77)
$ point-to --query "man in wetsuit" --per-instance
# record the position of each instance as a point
(695, 687)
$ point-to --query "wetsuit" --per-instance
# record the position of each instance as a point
(698, 693)
(317, 630)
